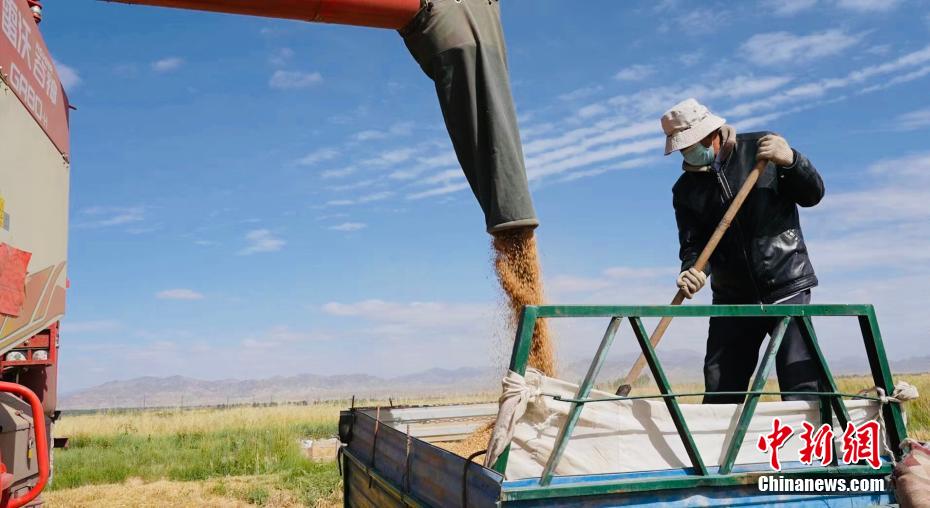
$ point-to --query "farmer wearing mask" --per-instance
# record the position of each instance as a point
(761, 259)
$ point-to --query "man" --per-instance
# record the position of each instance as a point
(761, 259)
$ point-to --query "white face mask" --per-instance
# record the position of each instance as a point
(698, 155)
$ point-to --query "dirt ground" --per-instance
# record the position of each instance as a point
(230, 492)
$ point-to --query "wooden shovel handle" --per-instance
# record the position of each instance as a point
(700, 264)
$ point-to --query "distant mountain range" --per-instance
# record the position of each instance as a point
(184, 391)
(680, 365)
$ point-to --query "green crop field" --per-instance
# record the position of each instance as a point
(242, 456)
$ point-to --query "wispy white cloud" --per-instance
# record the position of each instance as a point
(867, 6)
(636, 162)
(68, 75)
(293, 80)
(262, 240)
(281, 57)
(338, 173)
(356, 184)
(444, 189)
(786, 7)
(367, 198)
(179, 294)
(410, 317)
(815, 90)
(700, 21)
(897, 80)
(913, 120)
(90, 327)
(879, 49)
(392, 156)
(443, 159)
(349, 226)
(691, 58)
(898, 193)
(108, 216)
(444, 176)
(592, 110)
(581, 93)
(635, 72)
(777, 48)
(398, 129)
(279, 336)
(581, 158)
(317, 156)
(168, 64)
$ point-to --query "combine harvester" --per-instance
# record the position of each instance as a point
(34, 175)
(545, 451)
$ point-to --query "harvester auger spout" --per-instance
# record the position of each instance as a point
(374, 13)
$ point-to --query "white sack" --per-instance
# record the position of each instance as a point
(639, 435)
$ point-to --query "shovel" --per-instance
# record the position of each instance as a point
(700, 264)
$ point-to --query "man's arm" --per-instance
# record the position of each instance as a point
(692, 236)
(798, 179)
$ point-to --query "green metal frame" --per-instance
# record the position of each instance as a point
(831, 400)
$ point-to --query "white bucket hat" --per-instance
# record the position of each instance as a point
(686, 123)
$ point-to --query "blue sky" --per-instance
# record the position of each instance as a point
(256, 197)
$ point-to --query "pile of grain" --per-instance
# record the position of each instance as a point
(517, 266)
(475, 442)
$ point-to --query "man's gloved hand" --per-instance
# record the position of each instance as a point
(691, 281)
(774, 148)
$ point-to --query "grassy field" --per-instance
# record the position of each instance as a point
(245, 456)
(239, 456)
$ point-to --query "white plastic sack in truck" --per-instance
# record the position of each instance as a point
(635, 435)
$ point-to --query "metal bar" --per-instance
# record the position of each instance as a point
(556, 311)
(377, 13)
(524, 342)
(826, 411)
(749, 405)
(881, 376)
(626, 486)
(670, 402)
(807, 331)
(697, 394)
(566, 431)
(518, 360)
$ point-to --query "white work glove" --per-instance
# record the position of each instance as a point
(774, 148)
(691, 281)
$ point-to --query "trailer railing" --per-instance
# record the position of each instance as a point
(700, 475)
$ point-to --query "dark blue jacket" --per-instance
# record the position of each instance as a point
(762, 257)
